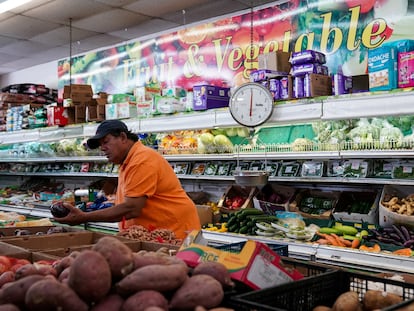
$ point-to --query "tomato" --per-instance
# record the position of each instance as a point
(278, 30)
(365, 5)
(243, 39)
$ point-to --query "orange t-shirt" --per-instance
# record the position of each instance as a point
(146, 173)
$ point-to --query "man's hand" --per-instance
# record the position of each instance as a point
(75, 216)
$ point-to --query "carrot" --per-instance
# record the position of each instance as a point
(329, 237)
(338, 241)
(355, 243)
(346, 242)
(403, 252)
(322, 241)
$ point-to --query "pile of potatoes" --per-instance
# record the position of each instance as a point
(373, 300)
(111, 277)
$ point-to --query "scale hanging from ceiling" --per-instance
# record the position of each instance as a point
(251, 104)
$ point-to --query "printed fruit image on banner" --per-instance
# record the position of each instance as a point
(223, 52)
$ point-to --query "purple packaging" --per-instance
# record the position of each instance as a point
(341, 84)
(306, 86)
(284, 88)
(210, 96)
(298, 87)
(302, 69)
(274, 88)
(264, 74)
(307, 56)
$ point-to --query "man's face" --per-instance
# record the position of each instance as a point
(112, 146)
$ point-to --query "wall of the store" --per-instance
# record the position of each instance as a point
(41, 74)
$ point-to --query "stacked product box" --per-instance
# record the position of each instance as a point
(389, 65)
(273, 73)
(310, 74)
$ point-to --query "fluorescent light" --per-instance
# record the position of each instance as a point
(8, 5)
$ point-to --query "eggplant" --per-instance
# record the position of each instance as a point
(58, 210)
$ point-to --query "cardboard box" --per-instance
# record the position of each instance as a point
(77, 91)
(210, 96)
(343, 209)
(309, 198)
(205, 214)
(317, 85)
(235, 190)
(284, 193)
(76, 114)
(256, 265)
(386, 216)
(10, 250)
(277, 60)
(68, 240)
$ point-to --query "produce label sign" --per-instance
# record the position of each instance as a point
(223, 51)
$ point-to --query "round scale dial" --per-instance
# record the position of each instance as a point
(251, 104)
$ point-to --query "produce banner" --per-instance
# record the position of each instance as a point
(225, 50)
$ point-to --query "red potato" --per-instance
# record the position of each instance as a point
(49, 294)
(64, 276)
(216, 270)
(199, 290)
(6, 277)
(145, 299)
(14, 292)
(90, 276)
(25, 270)
(112, 302)
(63, 263)
(118, 254)
(161, 278)
(9, 307)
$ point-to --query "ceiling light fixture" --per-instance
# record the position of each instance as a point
(8, 5)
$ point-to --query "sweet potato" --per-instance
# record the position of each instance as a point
(112, 302)
(9, 307)
(14, 292)
(198, 290)
(217, 270)
(49, 294)
(141, 260)
(161, 278)
(63, 263)
(144, 299)
(119, 255)
(377, 299)
(90, 276)
(322, 308)
(64, 275)
(348, 301)
(6, 277)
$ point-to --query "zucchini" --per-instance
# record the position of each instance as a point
(244, 229)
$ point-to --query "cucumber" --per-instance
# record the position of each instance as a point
(329, 230)
(244, 229)
(347, 230)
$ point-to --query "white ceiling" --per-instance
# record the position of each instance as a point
(39, 31)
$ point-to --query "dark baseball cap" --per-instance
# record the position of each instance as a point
(105, 128)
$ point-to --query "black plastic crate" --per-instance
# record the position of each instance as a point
(280, 249)
(322, 289)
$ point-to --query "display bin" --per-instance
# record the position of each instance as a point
(322, 289)
(283, 194)
(387, 217)
(357, 207)
(68, 241)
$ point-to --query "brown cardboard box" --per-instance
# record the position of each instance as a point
(205, 214)
(76, 114)
(68, 240)
(77, 91)
(277, 60)
(320, 85)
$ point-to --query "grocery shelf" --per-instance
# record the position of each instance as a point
(365, 105)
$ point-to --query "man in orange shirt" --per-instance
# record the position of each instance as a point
(148, 193)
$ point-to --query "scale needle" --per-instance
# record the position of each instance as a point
(251, 103)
